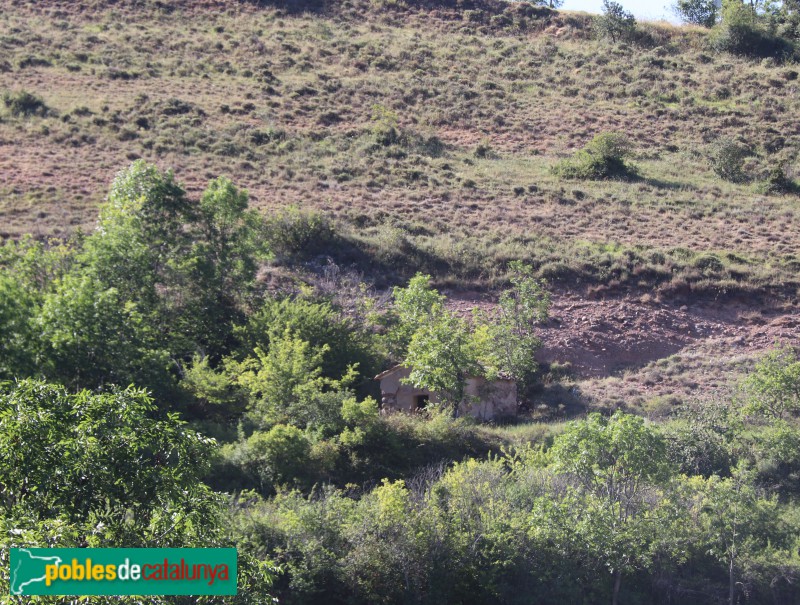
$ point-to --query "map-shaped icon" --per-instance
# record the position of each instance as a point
(27, 568)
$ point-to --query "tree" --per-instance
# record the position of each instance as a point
(317, 322)
(512, 340)
(413, 307)
(616, 462)
(737, 522)
(286, 384)
(727, 158)
(615, 23)
(105, 470)
(188, 267)
(88, 457)
(91, 337)
(773, 388)
(441, 357)
(223, 262)
(17, 345)
(697, 12)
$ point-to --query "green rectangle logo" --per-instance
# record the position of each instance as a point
(123, 571)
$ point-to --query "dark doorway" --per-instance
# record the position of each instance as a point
(422, 401)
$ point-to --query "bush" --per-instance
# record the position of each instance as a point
(278, 456)
(24, 103)
(295, 232)
(777, 182)
(727, 160)
(603, 158)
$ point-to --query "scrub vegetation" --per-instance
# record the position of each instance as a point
(304, 194)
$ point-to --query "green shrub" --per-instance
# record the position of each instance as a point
(727, 157)
(276, 457)
(296, 232)
(777, 182)
(385, 126)
(24, 103)
(603, 158)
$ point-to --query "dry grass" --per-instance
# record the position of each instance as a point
(283, 103)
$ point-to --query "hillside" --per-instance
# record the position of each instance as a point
(572, 241)
(428, 134)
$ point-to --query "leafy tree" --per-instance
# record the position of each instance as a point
(413, 307)
(188, 267)
(727, 160)
(746, 30)
(279, 456)
(512, 339)
(441, 356)
(616, 462)
(102, 470)
(18, 344)
(702, 437)
(103, 457)
(773, 388)
(223, 262)
(737, 522)
(286, 384)
(615, 23)
(90, 336)
(697, 12)
(316, 322)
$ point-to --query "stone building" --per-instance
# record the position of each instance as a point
(485, 400)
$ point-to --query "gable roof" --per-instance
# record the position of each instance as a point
(390, 371)
(504, 376)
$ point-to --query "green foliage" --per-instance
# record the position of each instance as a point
(744, 31)
(615, 23)
(441, 357)
(215, 390)
(602, 158)
(617, 462)
(103, 457)
(512, 530)
(701, 442)
(298, 233)
(90, 336)
(613, 457)
(777, 182)
(727, 157)
(346, 342)
(739, 525)
(443, 350)
(286, 385)
(18, 309)
(697, 12)
(223, 262)
(776, 458)
(24, 103)
(413, 307)
(385, 126)
(512, 340)
(279, 456)
(103, 470)
(772, 390)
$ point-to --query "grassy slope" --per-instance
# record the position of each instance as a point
(283, 103)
